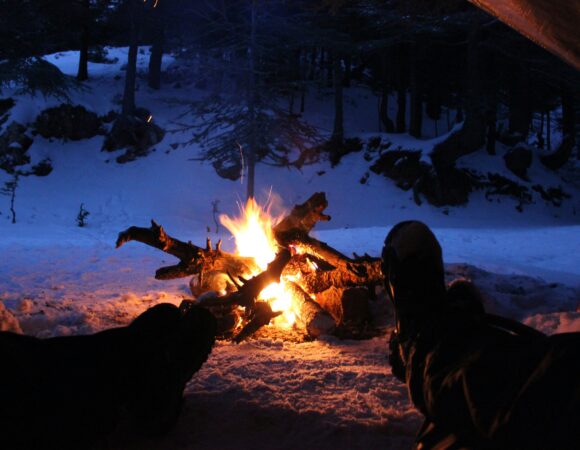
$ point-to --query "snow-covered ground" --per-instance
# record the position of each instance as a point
(59, 279)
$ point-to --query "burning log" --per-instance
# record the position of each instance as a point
(364, 274)
(293, 231)
(313, 268)
(315, 320)
(262, 314)
(346, 306)
(194, 260)
(257, 314)
(302, 219)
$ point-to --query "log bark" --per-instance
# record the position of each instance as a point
(314, 267)
(257, 313)
(357, 274)
(193, 259)
(346, 306)
(302, 219)
(309, 314)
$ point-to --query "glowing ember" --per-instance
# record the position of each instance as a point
(252, 231)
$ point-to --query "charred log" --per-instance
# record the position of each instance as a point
(293, 231)
(262, 314)
(257, 313)
(309, 314)
(346, 306)
(220, 283)
(364, 273)
(193, 259)
(249, 290)
(302, 219)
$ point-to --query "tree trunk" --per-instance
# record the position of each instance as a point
(347, 76)
(471, 136)
(131, 72)
(491, 130)
(416, 119)
(520, 111)
(251, 155)
(540, 133)
(83, 71)
(338, 128)
(548, 131)
(330, 72)
(401, 110)
(400, 65)
(562, 154)
(154, 78)
(384, 112)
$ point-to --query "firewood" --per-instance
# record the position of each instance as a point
(262, 314)
(346, 306)
(302, 218)
(257, 313)
(193, 259)
(314, 267)
(367, 273)
(293, 231)
(315, 320)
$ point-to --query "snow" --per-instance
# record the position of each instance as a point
(59, 279)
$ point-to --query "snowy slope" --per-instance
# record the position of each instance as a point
(58, 279)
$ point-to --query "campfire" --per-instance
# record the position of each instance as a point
(254, 237)
(279, 274)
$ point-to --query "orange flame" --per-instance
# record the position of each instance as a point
(252, 231)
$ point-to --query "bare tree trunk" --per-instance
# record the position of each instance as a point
(384, 112)
(338, 128)
(520, 110)
(131, 72)
(401, 81)
(330, 70)
(347, 71)
(83, 71)
(154, 78)
(548, 131)
(416, 119)
(471, 136)
(563, 153)
(251, 155)
(540, 133)
(491, 130)
(401, 109)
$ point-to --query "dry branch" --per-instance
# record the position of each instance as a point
(293, 231)
(192, 259)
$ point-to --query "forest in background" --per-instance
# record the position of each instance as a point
(256, 59)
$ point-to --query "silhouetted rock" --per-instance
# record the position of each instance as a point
(403, 166)
(67, 122)
(43, 168)
(137, 134)
(447, 187)
(14, 144)
(519, 160)
(228, 170)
